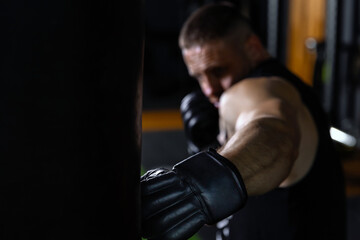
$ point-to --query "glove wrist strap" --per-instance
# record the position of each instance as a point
(217, 182)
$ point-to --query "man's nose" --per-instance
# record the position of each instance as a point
(209, 87)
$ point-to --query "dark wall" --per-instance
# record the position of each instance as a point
(165, 74)
(70, 90)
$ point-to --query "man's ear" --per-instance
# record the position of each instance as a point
(254, 48)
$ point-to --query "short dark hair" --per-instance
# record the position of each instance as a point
(212, 22)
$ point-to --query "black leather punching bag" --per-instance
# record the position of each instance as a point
(70, 133)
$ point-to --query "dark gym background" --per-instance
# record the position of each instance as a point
(73, 88)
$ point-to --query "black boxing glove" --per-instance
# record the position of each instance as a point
(202, 189)
(201, 122)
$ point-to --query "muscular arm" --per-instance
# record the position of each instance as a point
(265, 120)
(266, 124)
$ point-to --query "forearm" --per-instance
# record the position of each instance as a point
(264, 151)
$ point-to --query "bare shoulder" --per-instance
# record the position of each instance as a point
(254, 98)
(250, 92)
(268, 86)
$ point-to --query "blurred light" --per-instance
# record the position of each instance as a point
(342, 137)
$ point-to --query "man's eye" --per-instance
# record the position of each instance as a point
(218, 72)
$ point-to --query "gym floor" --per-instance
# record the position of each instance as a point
(164, 144)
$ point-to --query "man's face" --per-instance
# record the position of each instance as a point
(217, 66)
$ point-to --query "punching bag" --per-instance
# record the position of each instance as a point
(70, 120)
